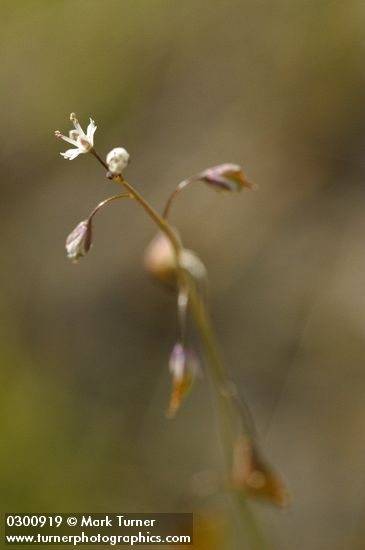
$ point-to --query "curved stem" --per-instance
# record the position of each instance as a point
(107, 201)
(227, 392)
(162, 224)
(174, 194)
(133, 193)
(230, 418)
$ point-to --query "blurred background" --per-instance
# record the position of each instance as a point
(275, 86)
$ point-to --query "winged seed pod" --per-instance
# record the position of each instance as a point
(252, 475)
(79, 241)
(225, 177)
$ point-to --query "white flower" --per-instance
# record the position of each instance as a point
(77, 137)
(117, 159)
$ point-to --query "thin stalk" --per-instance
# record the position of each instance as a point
(107, 201)
(93, 152)
(230, 420)
(226, 388)
(163, 225)
(174, 194)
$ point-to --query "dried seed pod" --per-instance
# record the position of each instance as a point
(254, 476)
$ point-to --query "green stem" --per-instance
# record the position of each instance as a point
(224, 388)
(107, 201)
(229, 415)
(174, 194)
(162, 224)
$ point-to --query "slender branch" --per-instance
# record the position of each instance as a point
(230, 417)
(163, 225)
(227, 390)
(239, 421)
(226, 387)
(107, 201)
(93, 152)
(174, 194)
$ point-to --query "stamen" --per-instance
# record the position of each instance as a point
(76, 123)
(73, 134)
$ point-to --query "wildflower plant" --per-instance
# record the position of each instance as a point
(247, 474)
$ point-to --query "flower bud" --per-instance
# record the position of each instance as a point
(160, 261)
(117, 160)
(225, 177)
(191, 262)
(183, 367)
(79, 241)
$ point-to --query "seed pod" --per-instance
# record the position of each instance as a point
(254, 476)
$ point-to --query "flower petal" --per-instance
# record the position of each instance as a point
(91, 131)
(73, 134)
(76, 123)
(71, 154)
(68, 139)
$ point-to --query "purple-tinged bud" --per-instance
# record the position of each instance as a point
(225, 177)
(183, 366)
(79, 241)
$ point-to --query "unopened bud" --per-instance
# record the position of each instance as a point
(191, 262)
(117, 160)
(183, 366)
(225, 177)
(79, 242)
(160, 261)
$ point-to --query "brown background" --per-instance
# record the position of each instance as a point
(276, 86)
